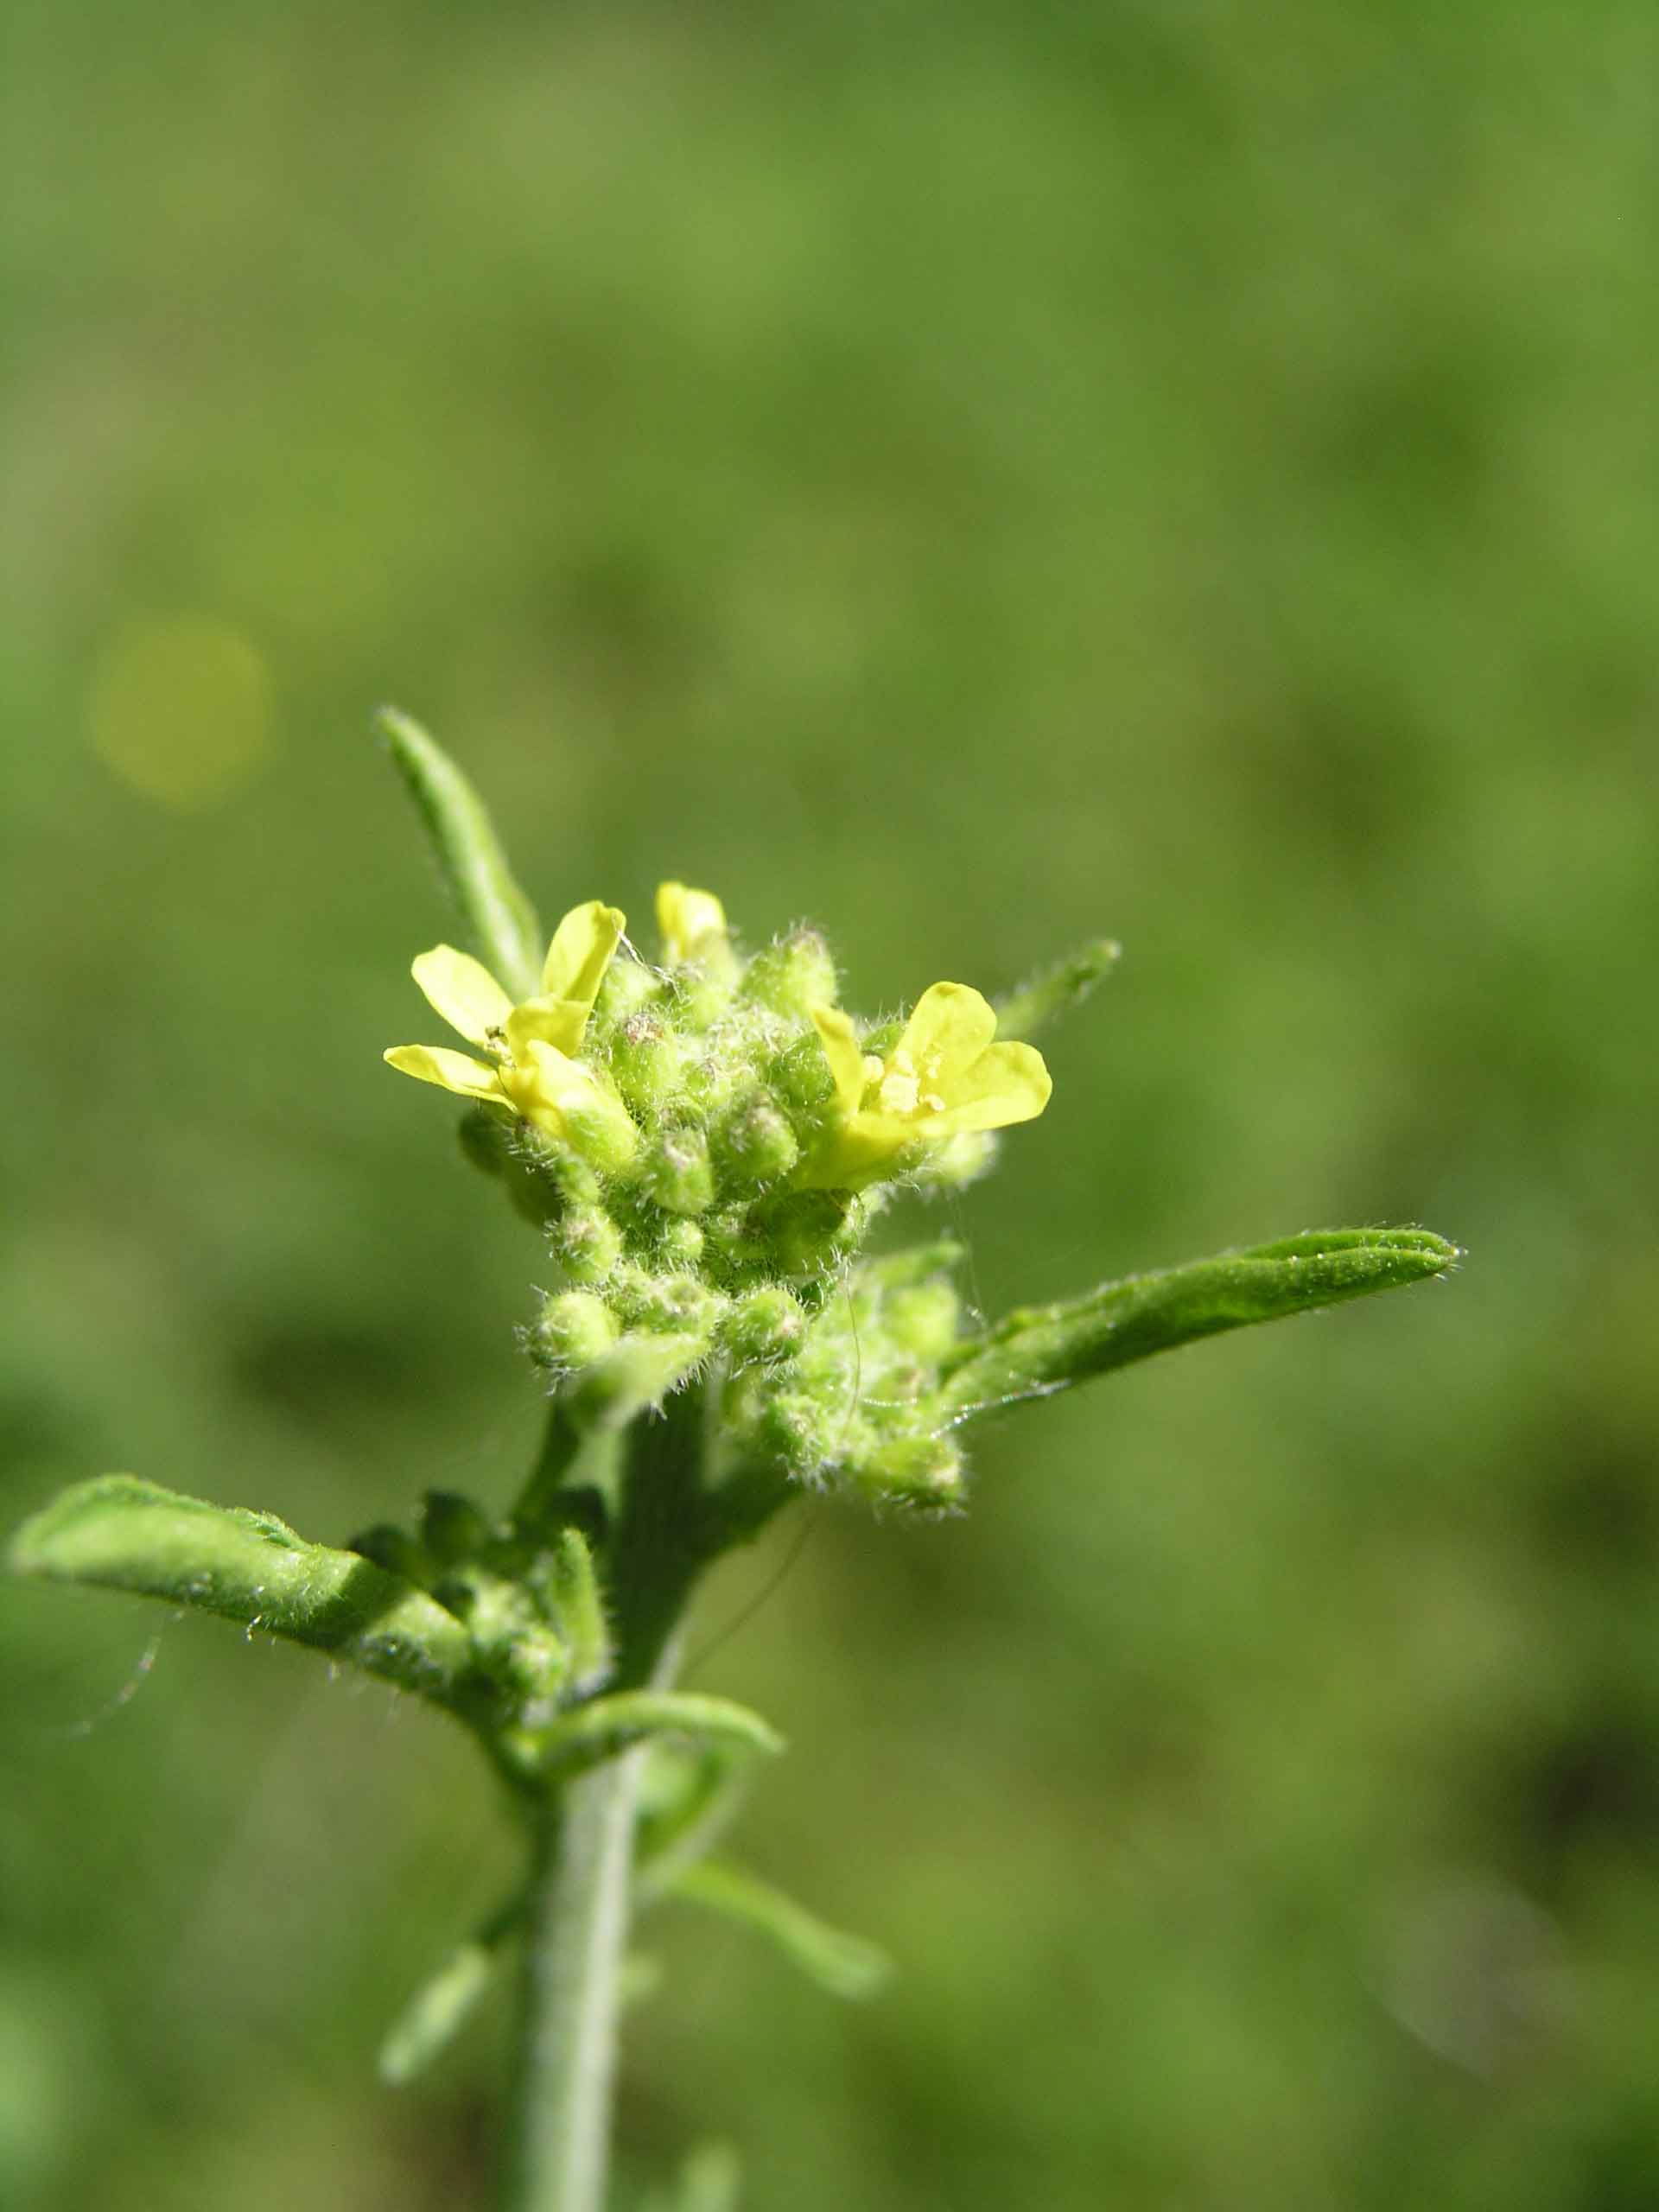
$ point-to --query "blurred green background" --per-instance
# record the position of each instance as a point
(975, 475)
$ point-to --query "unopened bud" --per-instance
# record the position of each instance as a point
(598, 1126)
(588, 1243)
(792, 975)
(575, 1330)
(922, 1473)
(663, 1302)
(756, 1144)
(645, 1062)
(768, 1325)
(678, 1174)
(810, 1231)
(627, 986)
(682, 1243)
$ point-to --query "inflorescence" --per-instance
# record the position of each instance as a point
(705, 1142)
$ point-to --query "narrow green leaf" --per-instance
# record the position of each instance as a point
(687, 1801)
(847, 1966)
(120, 1533)
(498, 915)
(443, 2003)
(606, 1726)
(1043, 1348)
(579, 1607)
(1054, 991)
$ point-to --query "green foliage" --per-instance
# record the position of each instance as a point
(973, 480)
(845, 1966)
(117, 1533)
(1038, 1349)
(496, 912)
(557, 1649)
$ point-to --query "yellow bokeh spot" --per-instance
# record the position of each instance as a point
(179, 709)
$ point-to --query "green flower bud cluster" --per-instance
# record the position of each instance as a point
(859, 1404)
(704, 1143)
(534, 1616)
(727, 1091)
(709, 1244)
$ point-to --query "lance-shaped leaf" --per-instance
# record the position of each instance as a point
(441, 2007)
(687, 1802)
(1043, 1348)
(847, 1966)
(501, 918)
(606, 1726)
(1054, 991)
(122, 1534)
(579, 1605)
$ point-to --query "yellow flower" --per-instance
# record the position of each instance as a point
(692, 924)
(943, 1078)
(532, 1069)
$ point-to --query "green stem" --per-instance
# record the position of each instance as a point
(583, 1841)
(571, 1993)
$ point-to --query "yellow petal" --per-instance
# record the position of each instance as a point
(451, 1070)
(581, 949)
(558, 1022)
(1006, 1084)
(463, 991)
(689, 922)
(840, 1042)
(950, 1027)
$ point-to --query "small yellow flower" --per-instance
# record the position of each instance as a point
(942, 1078)
(532, 1069)
(692, 924)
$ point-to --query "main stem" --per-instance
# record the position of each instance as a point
(575, 1944)
(662, 1535)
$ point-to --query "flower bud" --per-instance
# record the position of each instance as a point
(768, 1325)
(809, 1232)
(627, 985)
(645, 1062)
(681, 1245)
(755, 1144)
(922, 1472)
(575, 1330)
(587, 1242)
(663, 1302)
(800, 1077)
(793, 974)
(598, 1124)
(678, 1174)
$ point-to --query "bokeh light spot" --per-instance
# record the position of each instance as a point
(179, 709)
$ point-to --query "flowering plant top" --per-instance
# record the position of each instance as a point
(705, 1142)
(706, 1139)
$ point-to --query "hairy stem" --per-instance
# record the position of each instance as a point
(583, 1863)
(559, 2150)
